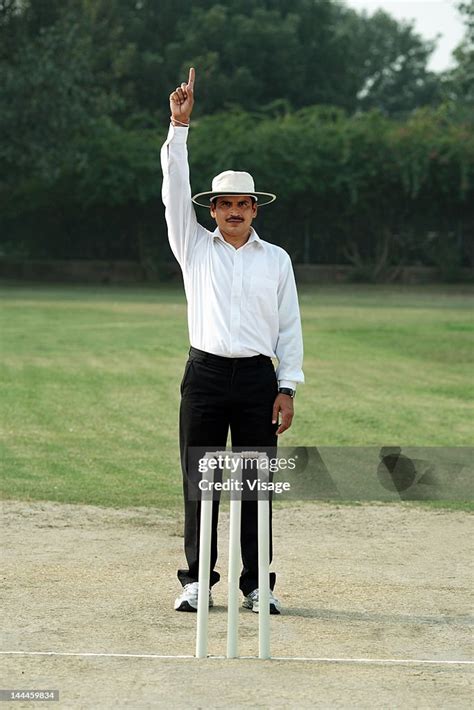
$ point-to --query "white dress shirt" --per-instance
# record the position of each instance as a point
(241, 302)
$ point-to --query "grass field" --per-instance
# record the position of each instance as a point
(90, 382)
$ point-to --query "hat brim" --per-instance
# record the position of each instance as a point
(203, 199)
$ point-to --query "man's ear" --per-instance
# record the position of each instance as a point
(213, 210)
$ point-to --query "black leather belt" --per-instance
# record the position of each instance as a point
(196, 354)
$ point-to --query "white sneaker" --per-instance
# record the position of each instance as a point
(188, 599)
(251, 602)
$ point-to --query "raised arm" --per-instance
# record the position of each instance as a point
(183, 228)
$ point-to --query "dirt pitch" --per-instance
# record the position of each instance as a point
(363, 582)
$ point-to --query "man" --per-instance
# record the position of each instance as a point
(242, 311)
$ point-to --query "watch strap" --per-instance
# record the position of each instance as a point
(287, 390)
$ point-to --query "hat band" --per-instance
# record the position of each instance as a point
(263, 198)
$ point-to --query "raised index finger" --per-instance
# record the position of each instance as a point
(192, 75)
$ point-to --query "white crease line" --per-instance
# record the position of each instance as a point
(414, 661)
(86, 653)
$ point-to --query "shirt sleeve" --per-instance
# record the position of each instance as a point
(289, 347)
(183, 228)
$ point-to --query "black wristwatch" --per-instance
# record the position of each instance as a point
(287, 390)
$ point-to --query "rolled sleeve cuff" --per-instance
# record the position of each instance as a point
(179, 134)
(287, 383)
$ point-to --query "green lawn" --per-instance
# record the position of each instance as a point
(90, 382)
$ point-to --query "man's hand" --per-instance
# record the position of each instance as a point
(284, 404)
(182, 100)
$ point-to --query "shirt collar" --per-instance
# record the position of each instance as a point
(253, 237)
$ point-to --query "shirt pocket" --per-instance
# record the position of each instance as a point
(263, 296)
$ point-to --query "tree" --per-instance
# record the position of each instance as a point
(84, 88)
(391, 63)
(459, 82)
(48, 96)
(305, 52)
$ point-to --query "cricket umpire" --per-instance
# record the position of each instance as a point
(242, 312)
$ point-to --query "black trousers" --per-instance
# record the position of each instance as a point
(218, 393)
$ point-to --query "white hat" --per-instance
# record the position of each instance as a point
(232, 182)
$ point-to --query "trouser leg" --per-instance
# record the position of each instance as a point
(255, 390)
(203, 422)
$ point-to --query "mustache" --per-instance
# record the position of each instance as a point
(234, 219)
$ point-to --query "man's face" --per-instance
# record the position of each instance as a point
(234, 214)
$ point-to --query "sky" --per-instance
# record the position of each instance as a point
(431, 17)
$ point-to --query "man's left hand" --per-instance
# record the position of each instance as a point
(284, 404)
